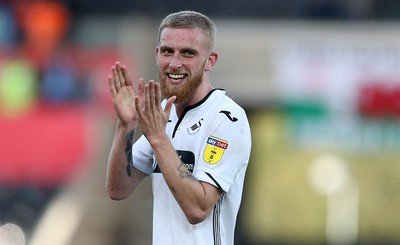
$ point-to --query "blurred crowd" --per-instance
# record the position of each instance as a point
(35, 61)
(46, 81)
(265, 9)
(38, 63)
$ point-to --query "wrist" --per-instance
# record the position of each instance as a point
(126, 126)
(158, 140)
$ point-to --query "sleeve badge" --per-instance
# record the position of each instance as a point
(214, 150)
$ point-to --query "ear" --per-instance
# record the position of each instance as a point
(211, 61)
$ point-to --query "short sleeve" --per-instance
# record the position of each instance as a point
(142, 155)
(225, 150)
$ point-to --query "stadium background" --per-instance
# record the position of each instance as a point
(319, 80)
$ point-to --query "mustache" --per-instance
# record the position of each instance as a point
(179, 70)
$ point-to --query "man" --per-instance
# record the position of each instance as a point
(195, 145)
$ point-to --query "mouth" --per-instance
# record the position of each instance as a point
(176, 78)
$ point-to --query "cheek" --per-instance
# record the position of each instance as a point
(162, 62)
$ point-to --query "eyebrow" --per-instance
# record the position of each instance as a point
(194, 51)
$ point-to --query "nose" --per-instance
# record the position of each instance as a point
(175, 62)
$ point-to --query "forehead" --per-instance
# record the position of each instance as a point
(174, 37)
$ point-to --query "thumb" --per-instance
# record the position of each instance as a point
(168, 106)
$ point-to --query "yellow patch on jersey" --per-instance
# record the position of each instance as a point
(214, 150)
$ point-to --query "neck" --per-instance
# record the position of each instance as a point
(198, 95)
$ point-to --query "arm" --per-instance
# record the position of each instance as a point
(121, 177)
(195, 198)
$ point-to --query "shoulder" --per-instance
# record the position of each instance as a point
(225, 105)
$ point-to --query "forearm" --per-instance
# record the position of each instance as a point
(195, 198)
(121, 178)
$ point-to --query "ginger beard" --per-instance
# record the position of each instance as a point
(184, 91)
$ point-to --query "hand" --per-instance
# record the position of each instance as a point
(123, 92)
(152, 117)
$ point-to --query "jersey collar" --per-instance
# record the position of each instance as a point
(191, 107)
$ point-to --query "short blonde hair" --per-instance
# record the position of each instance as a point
(190, 20)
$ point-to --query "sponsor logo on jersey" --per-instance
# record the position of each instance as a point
(214, 150)
(195, 127)
(187, 158)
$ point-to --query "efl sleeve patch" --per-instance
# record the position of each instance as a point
(214, 150)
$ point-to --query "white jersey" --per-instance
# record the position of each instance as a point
(213, 140)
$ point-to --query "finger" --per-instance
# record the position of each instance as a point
(117, 83)
(169, 104)
(146, 97)
(141, 87)
(138, 107)
(157, 94)
(140, 94)
(128, 79)
(152, 94)
(112, 86)
(121, 76)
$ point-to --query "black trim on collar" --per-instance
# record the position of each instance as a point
(192, 107)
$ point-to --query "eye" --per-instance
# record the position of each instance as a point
(188, 53)
(167, 51)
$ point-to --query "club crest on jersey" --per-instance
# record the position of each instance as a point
(214, 150)
(195, 127)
